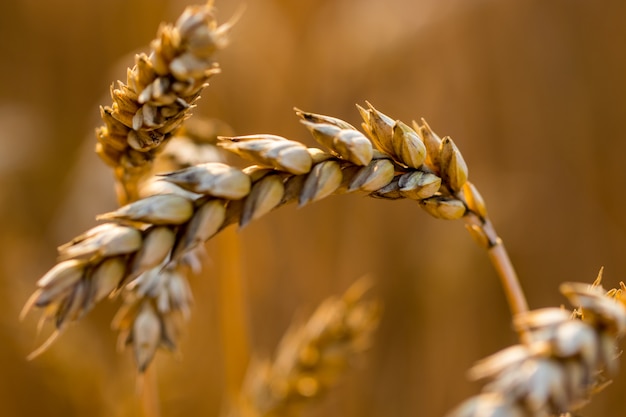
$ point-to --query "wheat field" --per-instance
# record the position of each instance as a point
(532, 92)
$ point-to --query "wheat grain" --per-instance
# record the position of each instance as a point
(559, 367)
(271, 150)
(393, 137)
(213, 178)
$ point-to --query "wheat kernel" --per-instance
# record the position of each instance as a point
(161, 209)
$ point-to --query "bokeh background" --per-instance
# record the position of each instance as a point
(533, 92)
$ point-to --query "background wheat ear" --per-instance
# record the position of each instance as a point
(311, 356)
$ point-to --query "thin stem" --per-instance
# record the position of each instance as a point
(514, 293)
(233, 323)
(149, 393)
(486, 235)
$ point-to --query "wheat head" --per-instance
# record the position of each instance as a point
(159, 93)
(143, 248)
(562, 363)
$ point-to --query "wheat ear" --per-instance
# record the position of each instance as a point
(145, 246)
(159, 93)
(560, 365)
(311, 356)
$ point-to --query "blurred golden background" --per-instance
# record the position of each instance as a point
(533, 92)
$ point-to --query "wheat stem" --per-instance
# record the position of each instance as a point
(233, 323)
(150, 394)
(501, 262)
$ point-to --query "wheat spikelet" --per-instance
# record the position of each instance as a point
(155, 307)
(310, 358)
(560, 367)
(159, 93)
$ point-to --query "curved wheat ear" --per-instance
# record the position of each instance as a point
(159, 93)
(144, 243)
(311, 356)
(560, 366)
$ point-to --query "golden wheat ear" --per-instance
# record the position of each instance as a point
(159, 93)
(158, 236)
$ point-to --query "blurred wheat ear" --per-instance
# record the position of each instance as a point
(311, 356)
